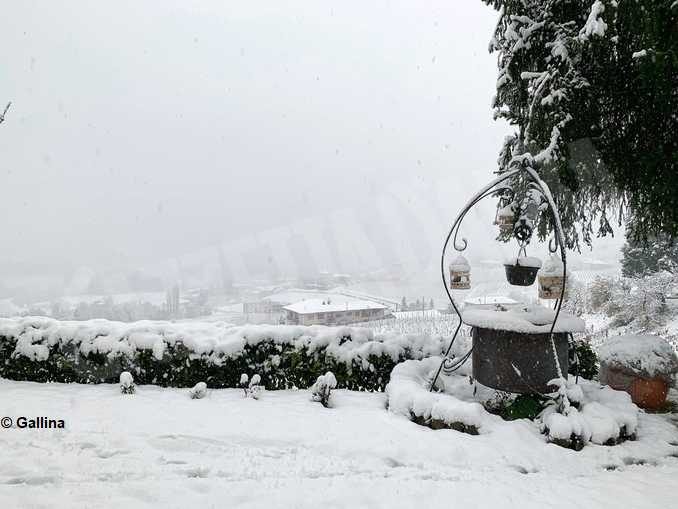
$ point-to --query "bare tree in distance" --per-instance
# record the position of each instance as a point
(2, 117)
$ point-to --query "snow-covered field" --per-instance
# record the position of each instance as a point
(159, 448)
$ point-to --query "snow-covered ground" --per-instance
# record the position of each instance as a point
(159, 448)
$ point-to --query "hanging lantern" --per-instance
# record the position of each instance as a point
(460, 274)
(551, 278)
(505, 218)
(522, 271)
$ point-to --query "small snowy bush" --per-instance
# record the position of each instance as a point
(585, 361)
(244, 382)
(322, 388)
(198, 391)
(253, 389)
(127, 383)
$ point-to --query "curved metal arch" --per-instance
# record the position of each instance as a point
(452, 364)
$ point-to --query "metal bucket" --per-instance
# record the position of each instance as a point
(516, 362)
(517, 275)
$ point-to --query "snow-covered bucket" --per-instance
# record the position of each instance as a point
(522, 271)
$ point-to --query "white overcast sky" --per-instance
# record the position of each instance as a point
(148, 130)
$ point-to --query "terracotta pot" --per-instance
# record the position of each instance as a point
(649, 393)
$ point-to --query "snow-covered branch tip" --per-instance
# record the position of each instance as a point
(2, 117)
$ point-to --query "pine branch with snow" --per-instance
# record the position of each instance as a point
(590, 87)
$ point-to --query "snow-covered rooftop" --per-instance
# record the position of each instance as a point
(296, 294)
(331, 305)
(491, 299)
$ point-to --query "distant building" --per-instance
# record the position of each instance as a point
(333, 312)
(490, 302)
(172, 301)
(275, 303)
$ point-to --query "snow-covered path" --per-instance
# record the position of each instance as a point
(158, 448)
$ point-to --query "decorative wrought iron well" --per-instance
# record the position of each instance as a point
(518, 350)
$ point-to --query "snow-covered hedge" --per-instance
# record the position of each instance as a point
(182, 354)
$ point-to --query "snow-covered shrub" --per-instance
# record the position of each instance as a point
(576, 297)
(515, 406)
(454, 407)
(641, 302)
(585, 411)
(252, 386)
(600, 293)
(322, 388)
(244, 382)
(589, 412)
(183, 354)
(198, 391)
(127, 383)
(585, 361)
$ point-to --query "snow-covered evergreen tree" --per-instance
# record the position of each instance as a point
(660, 253)
(590, 86)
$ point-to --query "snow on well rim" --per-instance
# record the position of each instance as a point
(525, 319)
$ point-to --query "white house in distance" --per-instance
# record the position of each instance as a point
(490, 302)
(333, 312)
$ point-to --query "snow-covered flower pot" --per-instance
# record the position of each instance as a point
(642, 365)
(522, 271)
(551, 278)
(460, 274)
(512, 349)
